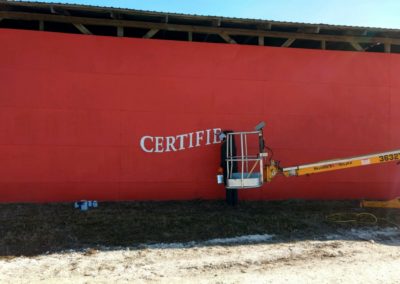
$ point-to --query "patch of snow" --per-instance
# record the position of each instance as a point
(365, 234)
(374, 233)
(169, 245)
(219, 241)
(240, 240)
(334, 237)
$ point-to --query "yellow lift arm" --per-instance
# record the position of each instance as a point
(250, 170)
(340, 164)
(270, 171)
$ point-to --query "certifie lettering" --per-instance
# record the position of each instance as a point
(161, 144)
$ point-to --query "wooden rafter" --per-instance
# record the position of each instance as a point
(151, 33)
(288, 42)
(387, 48)
(356, 46)
(311, 30)
(260, 40)
(120, 31)
(323, 44)
(217, 22)
(93, 9)
(83, 29)
(227, 38)
(264, 26)
(194, 28)
(355, 32)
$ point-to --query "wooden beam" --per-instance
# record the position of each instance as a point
(128, 12)
(120, 31)
(310, 30)
(157, 14)
(260, 40)
(323, 44)
(353, 32)
(150, 33)
(227, 38)
(217, 22)
(264, 26)
(388, 48)
(66, 12)
(356, 46)
(41, 25)
(288, 42)
(190, 36)
(83, 29)
(192, 28)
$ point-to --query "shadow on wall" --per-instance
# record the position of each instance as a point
(32, 229)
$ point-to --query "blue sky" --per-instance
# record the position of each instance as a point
(372, 13)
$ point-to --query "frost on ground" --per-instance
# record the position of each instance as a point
(218, 241)
(350, 256)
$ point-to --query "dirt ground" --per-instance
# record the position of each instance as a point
(372, 260)
(300, 245)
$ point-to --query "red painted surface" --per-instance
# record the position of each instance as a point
(73, 109)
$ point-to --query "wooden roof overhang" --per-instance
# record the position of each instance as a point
(93, 20)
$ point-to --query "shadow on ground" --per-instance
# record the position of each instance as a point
(32, 229)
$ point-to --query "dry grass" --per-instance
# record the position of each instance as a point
(31, 229)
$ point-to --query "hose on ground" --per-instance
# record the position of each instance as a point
(357, 218)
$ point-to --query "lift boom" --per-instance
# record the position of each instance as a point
(251, 165)
(339, 164)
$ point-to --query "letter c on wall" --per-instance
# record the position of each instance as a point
(142, 144)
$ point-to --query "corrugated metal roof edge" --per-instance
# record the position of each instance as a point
(233, 19)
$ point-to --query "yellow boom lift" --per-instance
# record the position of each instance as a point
(250, 164)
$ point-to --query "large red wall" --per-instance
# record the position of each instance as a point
(73, 109)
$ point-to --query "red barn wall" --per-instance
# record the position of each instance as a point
(74, 108)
